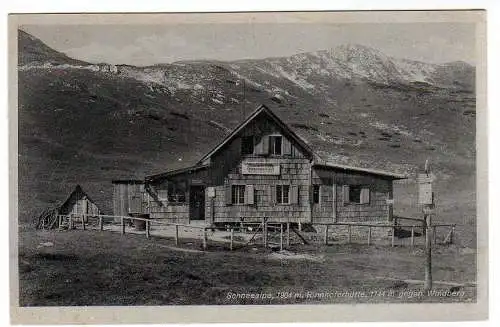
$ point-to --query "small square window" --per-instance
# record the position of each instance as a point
(355, 194)
(283, 194)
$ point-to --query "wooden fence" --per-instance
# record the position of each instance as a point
(395, 232)
(284, 230)
(84, 222)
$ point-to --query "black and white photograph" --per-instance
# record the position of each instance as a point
(248, 159)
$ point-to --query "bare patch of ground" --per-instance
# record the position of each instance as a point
(106, 268)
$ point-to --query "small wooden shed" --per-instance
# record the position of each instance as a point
(78, 204)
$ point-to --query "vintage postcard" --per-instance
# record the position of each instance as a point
(248, 167)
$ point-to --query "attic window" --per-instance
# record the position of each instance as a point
(275, 144)
(247, 145)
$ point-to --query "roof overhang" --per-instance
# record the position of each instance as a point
(369, 171)
(175, 172)
(127, 181)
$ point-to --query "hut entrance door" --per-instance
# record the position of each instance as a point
(197, 202)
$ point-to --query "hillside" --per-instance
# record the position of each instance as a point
(86, 123)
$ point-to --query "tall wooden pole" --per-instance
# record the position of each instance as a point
(428, 253)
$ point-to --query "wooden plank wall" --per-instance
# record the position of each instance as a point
(375, 211)
(293, 172)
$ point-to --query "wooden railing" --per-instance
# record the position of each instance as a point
(262, 227)
(80, 220)
(393, 227)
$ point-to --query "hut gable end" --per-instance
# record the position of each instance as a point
(261, 134)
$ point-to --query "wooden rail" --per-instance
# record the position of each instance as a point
(448, 238)
(74, 221)
(122, 219)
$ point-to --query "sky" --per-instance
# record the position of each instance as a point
(143, 45)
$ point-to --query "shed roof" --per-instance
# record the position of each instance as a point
(361, 170)
(176, 171)
(78, 189)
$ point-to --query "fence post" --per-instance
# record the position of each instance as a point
(348, 233)
(204, 238)
(412, 236)
(101, 224)
(281, 237)
(264, 232)
(231, 243)
(288, 234)
(83, 221)
(369, 235)
(148, 224)
(434, 235)
(60, 222)
(326, 235)
(123, 225)
(70, 221)
(177, 235)
(451, 234)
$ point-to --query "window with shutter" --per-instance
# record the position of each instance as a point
(238, 194)
(283, 194)
(275, 143)
(356, 194)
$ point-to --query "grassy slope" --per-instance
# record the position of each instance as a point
(140, 272)
(89, 128)
(84, 127)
